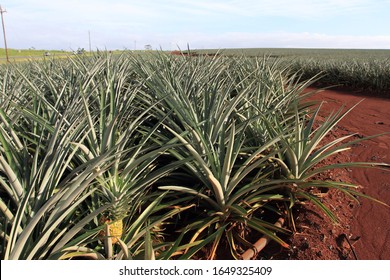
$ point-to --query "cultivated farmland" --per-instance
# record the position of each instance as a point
(155, 156)
(354, 68)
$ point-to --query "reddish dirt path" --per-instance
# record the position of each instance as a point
(370, 220)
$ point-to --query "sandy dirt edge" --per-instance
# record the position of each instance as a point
(364, 230)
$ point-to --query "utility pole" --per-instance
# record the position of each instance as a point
(89, 37)
(5, 38)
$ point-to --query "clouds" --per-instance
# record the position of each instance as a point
(284, 40)
(276, 23)
(165, 9)
(280, 8)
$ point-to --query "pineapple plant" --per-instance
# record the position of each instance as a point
(114, 219)
(122, 197)
(115, 229)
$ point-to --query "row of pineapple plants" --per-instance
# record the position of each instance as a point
(367, 70)
(155, 156)
(362, 73)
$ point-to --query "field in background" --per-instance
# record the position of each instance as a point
(29, 52)
(23, 55)
(299, 52)
(16, 55)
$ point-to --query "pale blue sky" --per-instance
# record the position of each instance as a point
(166, 24)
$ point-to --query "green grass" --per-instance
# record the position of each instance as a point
(29, 52)
(300, 52)
(21, 55)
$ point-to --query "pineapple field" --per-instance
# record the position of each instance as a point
(160, 156)
(358, 69)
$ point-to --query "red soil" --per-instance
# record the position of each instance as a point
(364, 229)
